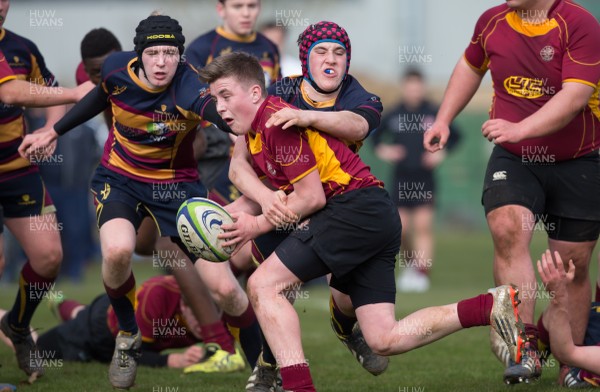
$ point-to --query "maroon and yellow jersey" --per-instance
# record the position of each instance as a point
(287, 156)
(27, 63)
(529, 62)
(158, 315)
(152, 132)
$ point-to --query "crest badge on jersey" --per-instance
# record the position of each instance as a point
(547, 53)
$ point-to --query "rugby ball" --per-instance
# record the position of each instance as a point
(199, 223)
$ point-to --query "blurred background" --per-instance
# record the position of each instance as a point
(388, 37)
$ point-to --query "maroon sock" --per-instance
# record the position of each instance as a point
(297, 378)
(217, 333)
(532, 335)
(597, 292)
(543, 333)
(475, 312)
(66, 308)
(244, 320)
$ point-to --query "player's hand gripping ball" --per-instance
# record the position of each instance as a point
(199, 222)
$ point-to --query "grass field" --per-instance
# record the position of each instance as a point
(462, 362)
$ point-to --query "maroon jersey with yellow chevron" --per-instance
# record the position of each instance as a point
(530, 58)
(26, 63)
(158, 315)
(287, 156)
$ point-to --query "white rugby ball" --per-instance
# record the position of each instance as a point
(199, 223)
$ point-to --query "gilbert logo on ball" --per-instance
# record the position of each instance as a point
(199, 222)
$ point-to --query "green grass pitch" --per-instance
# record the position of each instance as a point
(462, 362)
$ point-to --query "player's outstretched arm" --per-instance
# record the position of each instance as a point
(463, 84)
(555, 280)
(20, 92)
(91, 105)
(344, 125)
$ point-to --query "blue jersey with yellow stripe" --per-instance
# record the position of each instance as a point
(153, 129)
(217, 42)
(27, 63)
(352, 97)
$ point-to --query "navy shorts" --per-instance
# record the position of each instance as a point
(118, 196)
(562, 194)
(356, 237)
(23, 196)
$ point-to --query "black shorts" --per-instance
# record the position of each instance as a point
(83, 339)
(564, 195)
(118, 196)
(24, 196)
(356, 237)
(264, 245)
(413, 189)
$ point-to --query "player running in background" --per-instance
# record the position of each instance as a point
(336, 103)
(399, 141)
(327, 183)
(28, 210)
(545, 66)
(158, 102)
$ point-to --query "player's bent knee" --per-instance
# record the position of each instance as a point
(117, 256)
(255, 287)
(380, 346)
(47, 263)
(226, 294)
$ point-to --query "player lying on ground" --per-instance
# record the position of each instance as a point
(555, 279)
(353, 232)
(88, 332)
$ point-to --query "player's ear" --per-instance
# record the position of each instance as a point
(256, 93)
(221, 9)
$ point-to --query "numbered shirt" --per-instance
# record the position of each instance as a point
(530, 60)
